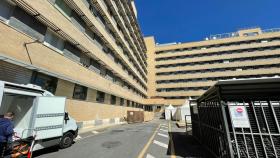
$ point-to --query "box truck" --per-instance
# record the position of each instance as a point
(38, 114)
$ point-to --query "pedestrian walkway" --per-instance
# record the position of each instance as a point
(160, 144)
(186, 146)
(170, 141)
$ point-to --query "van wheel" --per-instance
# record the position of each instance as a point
(66, 141)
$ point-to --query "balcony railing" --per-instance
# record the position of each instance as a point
(271, 30)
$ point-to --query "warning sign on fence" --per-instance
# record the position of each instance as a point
(239, 117)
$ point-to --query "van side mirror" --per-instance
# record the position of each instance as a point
(66, 116)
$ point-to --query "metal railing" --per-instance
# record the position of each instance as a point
(236, 34)
(271, 30)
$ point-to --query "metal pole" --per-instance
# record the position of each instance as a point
(226, 128)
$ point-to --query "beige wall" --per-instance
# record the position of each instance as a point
(64, 88)
(118, 101)
(91, 95)
(152, 48)
(148, 116)
(218, 41)
(56, 63)
(150, 44)
(52, 62)
(86, 111)
(107, 99)
(219, 57)
(53, 15)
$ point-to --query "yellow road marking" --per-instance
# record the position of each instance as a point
(172, 149)
(142, 153)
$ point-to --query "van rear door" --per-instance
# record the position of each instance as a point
(49, 117)
(1, 91)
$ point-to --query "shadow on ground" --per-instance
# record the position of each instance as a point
(186, 146)
(46, 151)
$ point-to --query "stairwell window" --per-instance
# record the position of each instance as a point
(80, 92)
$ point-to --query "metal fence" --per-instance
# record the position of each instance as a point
(240, 119)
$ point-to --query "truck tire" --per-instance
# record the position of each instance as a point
(66, 140)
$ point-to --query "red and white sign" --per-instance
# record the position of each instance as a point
(239, 117)
(239, 110)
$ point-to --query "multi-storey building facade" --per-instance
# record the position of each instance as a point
(93, 51)
(87, 50)
(179, 71)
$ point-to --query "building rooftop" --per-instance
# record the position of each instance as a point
(243, 32)
(252, 31)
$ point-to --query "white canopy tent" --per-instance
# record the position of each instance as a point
(169, 112)
(182, 111)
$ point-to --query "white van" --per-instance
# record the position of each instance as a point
(38, 112)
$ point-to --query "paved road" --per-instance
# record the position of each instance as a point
(146, 140)
(125, 141)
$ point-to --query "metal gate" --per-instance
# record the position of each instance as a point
(13, 73)
(240, 119)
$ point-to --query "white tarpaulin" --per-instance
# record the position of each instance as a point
(182, 111)
(169, 112)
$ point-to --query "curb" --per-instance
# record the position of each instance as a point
(99, 123)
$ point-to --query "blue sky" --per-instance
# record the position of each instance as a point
(193, 20)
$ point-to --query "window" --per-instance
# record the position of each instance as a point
(27, 24)
(122, 102)
(72, 52)
(85, 60)
(103, 71)
(78, 22)
(94, 65)
(251, 34)
(80, 92)
(127, 103)
(113, 99)
(109, 75)
(6, 10)
(92, 8)
(63, 8)
(98, 41)
(90, 33)
(46, 82)
(87, 3)
(54, 40)
(100, 96)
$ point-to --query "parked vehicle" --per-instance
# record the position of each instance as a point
(38, 114)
